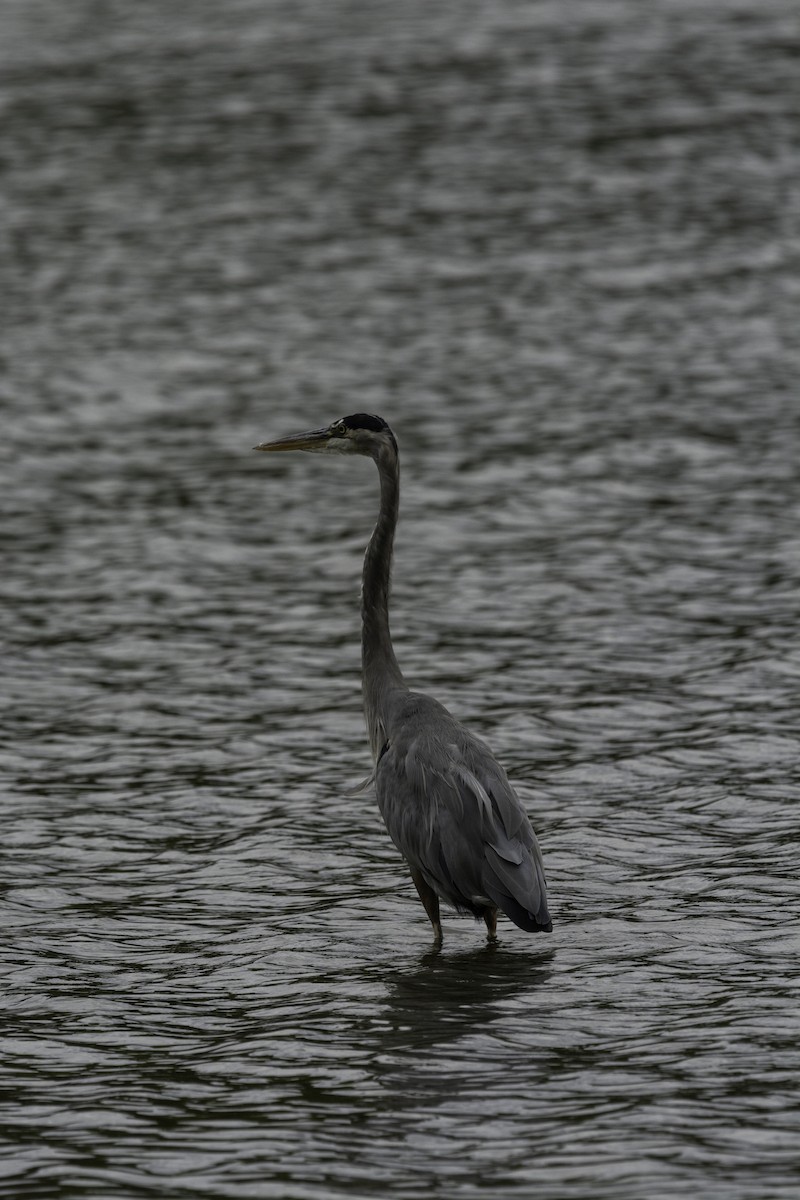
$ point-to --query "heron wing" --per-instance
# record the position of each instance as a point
(451, 811)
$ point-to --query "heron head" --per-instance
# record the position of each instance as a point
(360, 433)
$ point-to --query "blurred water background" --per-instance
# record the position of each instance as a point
(556, 245)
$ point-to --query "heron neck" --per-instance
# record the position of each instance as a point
(380, 669)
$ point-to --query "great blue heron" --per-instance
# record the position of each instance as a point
(446, 801)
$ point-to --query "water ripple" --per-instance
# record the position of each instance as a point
(560, 256)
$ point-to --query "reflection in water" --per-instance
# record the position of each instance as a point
(449, 994)
(436, 1009)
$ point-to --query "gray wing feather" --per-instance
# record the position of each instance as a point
(451, 811)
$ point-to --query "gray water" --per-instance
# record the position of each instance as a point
(557, 247)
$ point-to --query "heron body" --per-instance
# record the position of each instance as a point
(447, 803)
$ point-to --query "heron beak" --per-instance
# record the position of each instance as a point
(315, 439)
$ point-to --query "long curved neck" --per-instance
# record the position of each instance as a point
(380, 672)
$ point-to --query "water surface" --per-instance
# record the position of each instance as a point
(556, 247)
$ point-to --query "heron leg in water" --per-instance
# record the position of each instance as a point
(430, 900)
(490, 917)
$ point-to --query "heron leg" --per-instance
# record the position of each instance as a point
(490, 917)
(430, 902)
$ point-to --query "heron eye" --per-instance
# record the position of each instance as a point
(340, 428)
